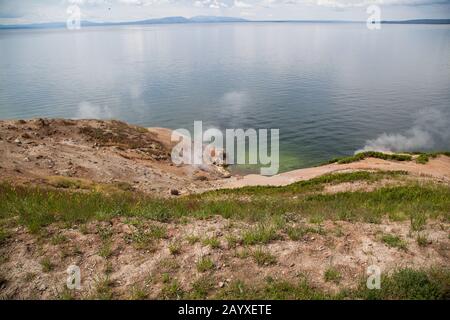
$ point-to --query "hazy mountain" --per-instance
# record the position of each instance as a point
(420, 21)
(202, 19)
(166, 20)
(209, 19)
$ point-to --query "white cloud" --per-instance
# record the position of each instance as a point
(26, 11)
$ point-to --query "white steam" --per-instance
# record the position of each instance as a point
(431, 129)
(88, 110)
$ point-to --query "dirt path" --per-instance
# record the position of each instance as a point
(438, 168)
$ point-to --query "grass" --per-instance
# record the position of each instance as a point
(410, 284)
(37, 208)
(58, 239)
(331, 274)
(204, 264)
(175, 248)
(423, 157)
(192, 239)
(372, 154)
(4, 234)
(418, 221)
(201, 288)
(103, 289)
(172, 290)
(212, 242)
(262, 234)
(270, 290)
(422, 240)
(105, 250)
(138, 293)
(263, 257)
(143, 237)
(298, 232)
(404, 284)
(393, 241)
(232, 241)
(47, 264)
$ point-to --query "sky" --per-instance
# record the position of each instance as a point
(31, 11)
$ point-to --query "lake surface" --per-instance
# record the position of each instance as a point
(328, 87)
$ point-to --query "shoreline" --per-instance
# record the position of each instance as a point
(438, 168)
(86, 154)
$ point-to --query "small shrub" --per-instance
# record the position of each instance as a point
(103, 289)
(58, 239)
(213, 242)
(192, 239)
(204, 264)
(175, 248)
(47, 264)
(393, 241)
(262, 234)
(172, 290)
(422, 240)
(332, 274)
(263, 258)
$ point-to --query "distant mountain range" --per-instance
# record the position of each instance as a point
(166, 20)
(203, 19)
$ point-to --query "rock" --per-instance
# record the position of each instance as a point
(17, 141)
(221, 284)
(226, 175)
(42, 287)
(174, 192)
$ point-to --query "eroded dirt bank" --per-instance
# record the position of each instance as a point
(56, 152)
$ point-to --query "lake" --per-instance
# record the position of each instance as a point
(328, 87)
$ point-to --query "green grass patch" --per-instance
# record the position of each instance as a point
(298, 232)
(46, 264)
(267, 206)
(372, 154)
(410, 284)
(175, 248)
(393, 241)
(271, 290)
(204, 264)
(331, 274)
(261, 234)
(212, 242)
(263, 257)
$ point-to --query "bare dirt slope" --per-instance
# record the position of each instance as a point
(106, 152)
(36, 268)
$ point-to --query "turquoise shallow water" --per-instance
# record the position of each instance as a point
(328, 87)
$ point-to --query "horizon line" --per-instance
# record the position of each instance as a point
(219, 19)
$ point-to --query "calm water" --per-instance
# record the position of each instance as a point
(327, 87)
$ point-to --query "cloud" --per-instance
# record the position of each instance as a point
(431, 129)
(29, 11)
